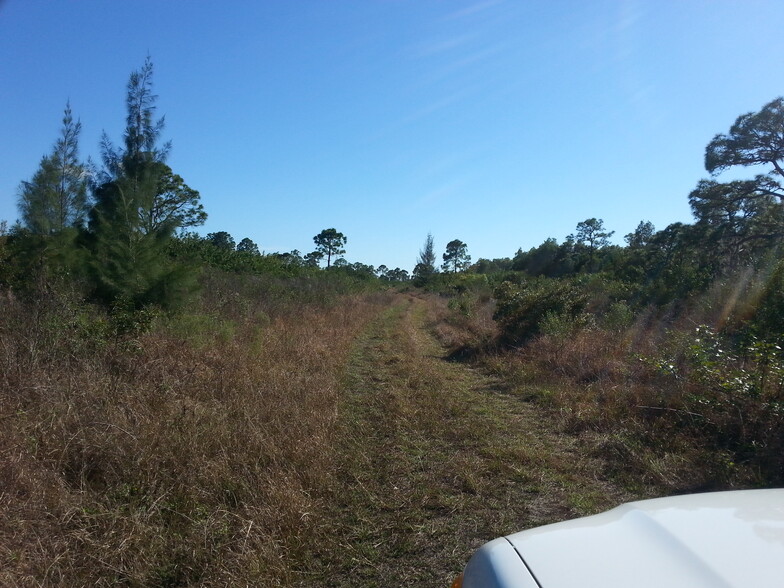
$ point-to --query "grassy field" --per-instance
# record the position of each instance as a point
(264, 440)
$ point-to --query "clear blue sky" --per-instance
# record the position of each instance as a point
(497, 122)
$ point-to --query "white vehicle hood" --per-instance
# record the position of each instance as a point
(723, 539)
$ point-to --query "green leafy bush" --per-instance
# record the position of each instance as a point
(522, 309)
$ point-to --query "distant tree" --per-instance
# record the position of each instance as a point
(737, 221)
(426, 262)
(541, 260)
(456, 256)
(641, 236)
(427, 256)
(567, 261)
(330, 243)
(490, 266)
(222, 240)
(592, 235)
(248, 246)
(360, 270)
(741, 220)
(392, 275)
(56, 196)
(632, 264)
(313, 258)
(293, 257)
(340, 262)
(397, 275)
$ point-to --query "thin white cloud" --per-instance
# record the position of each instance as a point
(442, 46)
(474, 8)
(433, 107)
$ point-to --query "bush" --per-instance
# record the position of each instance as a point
(739, 393)
(523, 309)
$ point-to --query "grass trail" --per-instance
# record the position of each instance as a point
(436, 458)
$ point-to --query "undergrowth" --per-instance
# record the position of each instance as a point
(139, 448)
(680, 398)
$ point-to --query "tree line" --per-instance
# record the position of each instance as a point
(737, 237)
(123, 229)
(738, 224)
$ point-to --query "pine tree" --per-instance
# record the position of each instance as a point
(56, 196)
(330, 243)
(426, 262)
(129, 232)
(456, 256)
(248, 246)
(161, 196)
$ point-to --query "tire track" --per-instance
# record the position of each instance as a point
(435, 458)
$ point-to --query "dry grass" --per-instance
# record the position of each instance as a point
(264, 443)
(463, 325)
(168, 459)
(286, 436)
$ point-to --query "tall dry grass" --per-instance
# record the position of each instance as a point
(193, 453)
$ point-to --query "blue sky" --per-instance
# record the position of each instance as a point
(497, 122)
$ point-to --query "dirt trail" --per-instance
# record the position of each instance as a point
(438, 458)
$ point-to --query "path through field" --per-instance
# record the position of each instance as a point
(437, 458)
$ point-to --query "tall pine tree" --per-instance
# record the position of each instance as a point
(426, 263)
(129, 261)
(55, 198)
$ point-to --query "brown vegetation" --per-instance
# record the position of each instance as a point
(279, 435)
(187, 454)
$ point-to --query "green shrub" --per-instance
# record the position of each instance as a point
(522, 309)
(564, 324)
(618, 317)
(738, 393)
